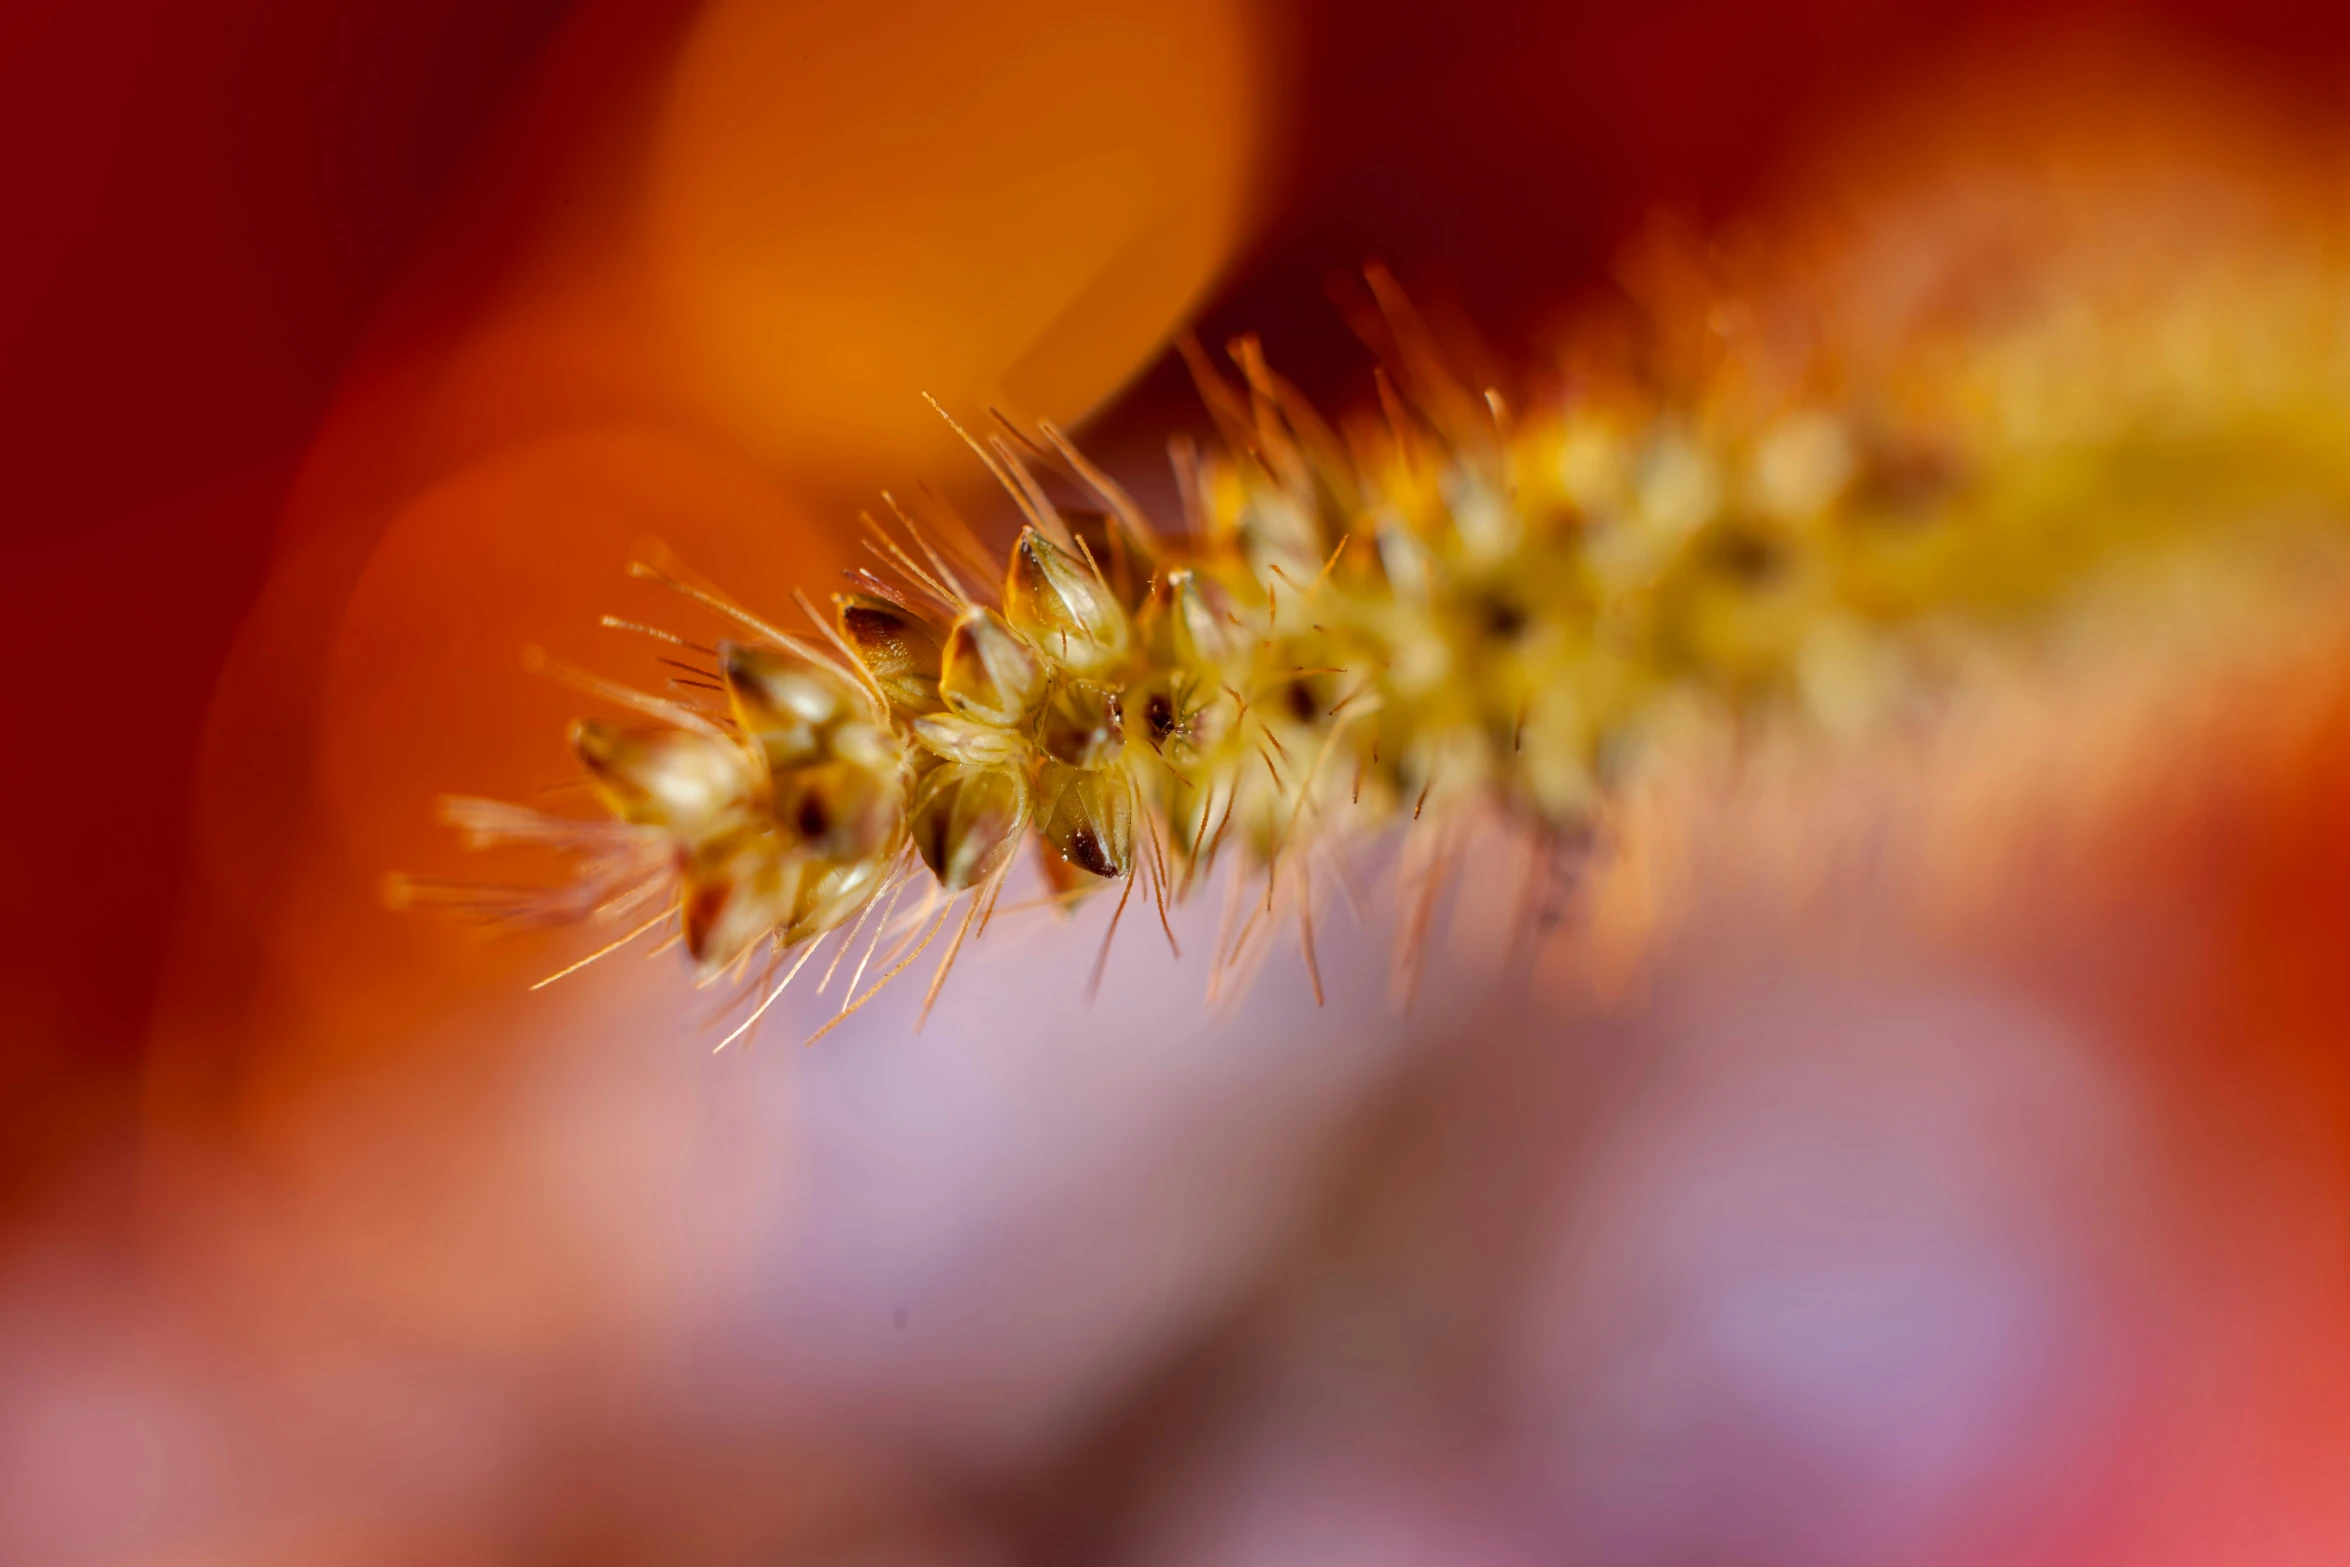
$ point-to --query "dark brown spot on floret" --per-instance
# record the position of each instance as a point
(875, 631)
(1085, 851)
(930, 833)
(1504, 618)
(1749, 557)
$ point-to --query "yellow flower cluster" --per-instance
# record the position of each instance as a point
(1442, 612)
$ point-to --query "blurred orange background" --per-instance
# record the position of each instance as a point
(350, 347)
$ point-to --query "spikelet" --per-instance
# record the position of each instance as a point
(1787, 506)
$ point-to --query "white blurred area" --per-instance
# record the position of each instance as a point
(1794, 1256)
(563, 1231)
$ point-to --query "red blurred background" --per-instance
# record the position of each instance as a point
(215, 204)
(248, 237)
